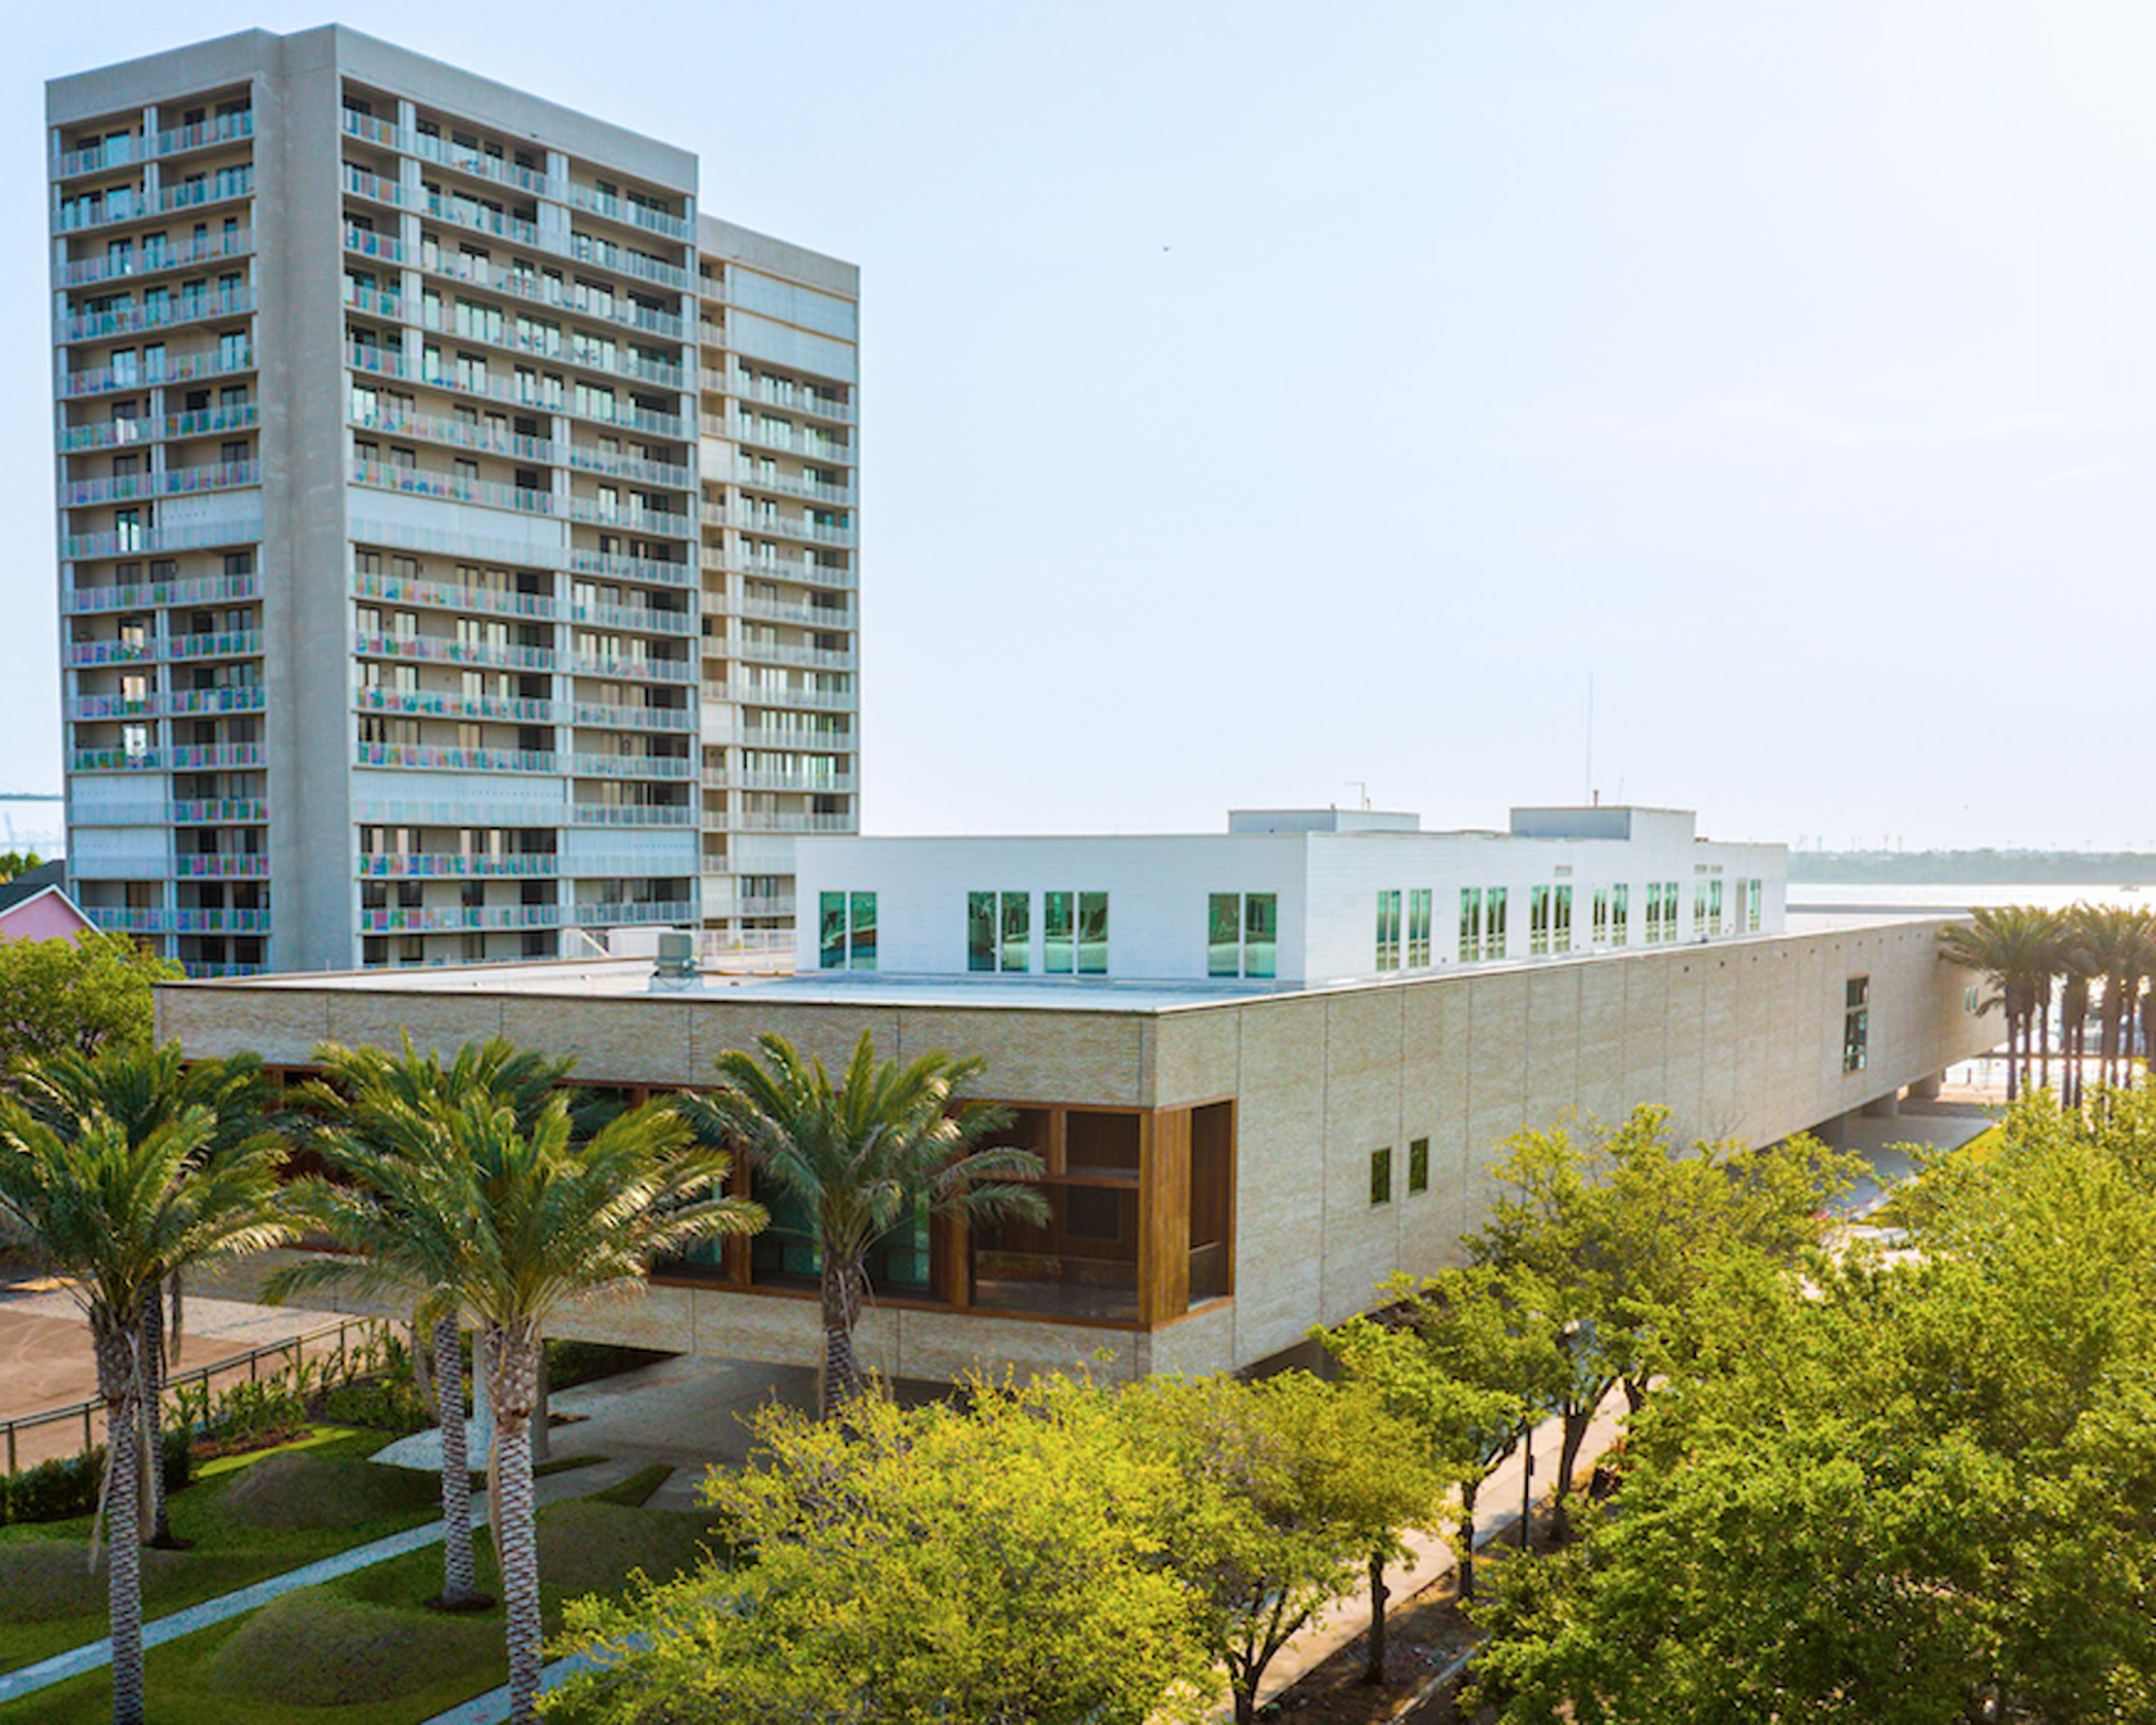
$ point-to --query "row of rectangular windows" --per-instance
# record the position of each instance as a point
(1074, 932)
(1483, 917)
(1381, 1172)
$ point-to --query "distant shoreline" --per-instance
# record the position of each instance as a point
(1974, 868)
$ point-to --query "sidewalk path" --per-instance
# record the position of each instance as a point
(95, 1656)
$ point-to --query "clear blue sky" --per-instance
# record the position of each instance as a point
(1261, 398)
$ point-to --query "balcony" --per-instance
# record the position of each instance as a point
(537, 290)
(763, 695)
(438, 149)
(224, 129)
(738, 778)
(756, 820)
(626, 914)
(598, 716)
(170, 482)
(449, 596)
(419, 919)
(139, 595)
(632, 814)
(630, 213)
(151, 260)
(123, 204)
(116, 761)
(374, 302)
(632, 669)
(744, 428)
(360, 183)
(204, 865)
(663, 524)
(657, 572)
(457, 865)
(133, 541)
(455, 706)
(91, 653)
(368, 244)
(645, 766)
(156, 314)
(229, 811)
(772, 524)
(229, 643)
(452, 488)
(196, 194)
(585, 352)
(107, 153)
(789, 485)
(635, 617)
(586, 458)
(218, 361)
(206, 756)
(452, 760)
(769, 904)
(440, 649)
(839, 617)
(245, 698)
(791, 736)
(535, 397)
(773, 652)
(798, 569)
(127, 919)
(458, 434)
(130, 433)
(464, 212)
(773, 393)
(188, 920)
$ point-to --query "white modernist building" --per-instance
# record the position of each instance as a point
(1293, 896)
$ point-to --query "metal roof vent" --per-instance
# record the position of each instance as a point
(675, 969)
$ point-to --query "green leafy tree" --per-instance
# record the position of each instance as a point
(1948, 1513)
(519, 1221)
(1450, 1366)
(1284, 1487)
(140, 1088)
(16, 864)
(938, 1566)
(400, 1104)
(60, 996)
(862, 1156)
(116, 1214)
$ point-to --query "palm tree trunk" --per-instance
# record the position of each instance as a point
(512, 1381)
(119, 1381)
(459, 1581)
(843, 1379)
(156, 1529)
(2044, 1035)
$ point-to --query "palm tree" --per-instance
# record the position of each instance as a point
(139, 1087)
(518, 1221)
(397, 1102)
(2016, 947)
(2075, 967)
(117, 1213)
(862, 1156)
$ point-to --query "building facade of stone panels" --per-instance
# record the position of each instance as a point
(1740, 1040)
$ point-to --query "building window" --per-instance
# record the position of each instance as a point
(1418, 1166)
(1699, 929)
(998, 931)
(1074, 933)
(1493, 927)
(1418, 928)
(1662, 912)
(1856, 1024)
(1471, 924)
(1242, 934)
(1538, 921)
(1599, 935)
(846, 931)
(1561, 919)
(1752, 895)
(1620, 915)
(1381, 1176)
(1389, 931)
(1058, 934)
(1092, 934)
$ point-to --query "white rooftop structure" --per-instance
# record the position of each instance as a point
(1294, 898)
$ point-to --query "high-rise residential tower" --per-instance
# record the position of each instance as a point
(457, 528)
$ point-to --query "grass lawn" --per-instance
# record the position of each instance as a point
(364, 1650)
(248, 1515)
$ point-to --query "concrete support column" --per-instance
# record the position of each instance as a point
(1927, 1090)
(1883, 1107)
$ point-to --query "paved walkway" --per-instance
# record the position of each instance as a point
(93, 1656)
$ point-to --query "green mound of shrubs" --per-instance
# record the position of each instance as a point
(315, 1649)
(297, 1490)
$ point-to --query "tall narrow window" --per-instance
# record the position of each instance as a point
(1494, 932)
(862, 937)
(1600, 934)
(831, 931)
(1092, 934)
(1389, 931)
(1620, 915)
(981, 931)
(1017, 931)
(1418, 1166)
(1856, 1024)
(1381, 1176)
(1714, 905)
(1418, 928)
(1224, 934)
(1751, 895)
(1058, 933)
(1260, 934)
(1471, 924)
(1538, 921)
(1561, 920)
